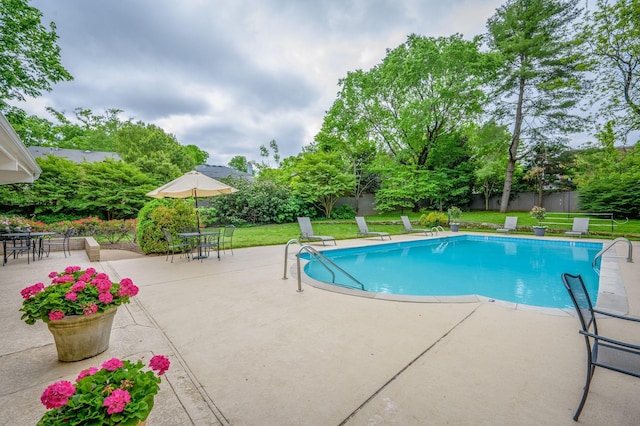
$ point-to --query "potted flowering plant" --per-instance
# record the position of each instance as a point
(120, 392)
(454, 214)
(539, 213)
(78, 307)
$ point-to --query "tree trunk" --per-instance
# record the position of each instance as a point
(513, 150)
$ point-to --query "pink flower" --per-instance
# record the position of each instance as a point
(71, 296)
(102, 276)
(63, 279)
(85, 277)
(105, 298)
(88, 372)
(53, 274)
(78, 287)
(160, 364)
(127, 288)
(116, 401)
(90, 308)
(90, 271)
(55, 315)
(71, 269)
(102, 285)
(57, 394)
(112, 365)
(32, 290)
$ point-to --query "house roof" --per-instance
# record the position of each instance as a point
(17, 165)
(218, 172)
(75, 155)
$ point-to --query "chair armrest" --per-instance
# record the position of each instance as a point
(623, 317)
(612, 341)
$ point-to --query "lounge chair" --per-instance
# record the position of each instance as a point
(580, 227)
(604, 352)
(363, 230)
(510, 223)
(409, 229)
(306, 232)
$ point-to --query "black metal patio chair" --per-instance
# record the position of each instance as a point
(226, 238)
(60, 241)
(601, 351)
(174, 246)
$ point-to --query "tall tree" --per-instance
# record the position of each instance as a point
(613, 34)
(410, 106)
(30, 58)
(540, 81)
(239, 162)
(321, 179)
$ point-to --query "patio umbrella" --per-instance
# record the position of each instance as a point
(192, 184)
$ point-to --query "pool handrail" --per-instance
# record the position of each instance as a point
(608, 246)
(321, 259)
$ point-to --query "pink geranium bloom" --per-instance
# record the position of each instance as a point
(55, 315)
(127, 288)
(57, 394)
(53, 274)
(105, 298)
(112, 364)
(78, 287)
(90, 271)
(32, 290)
(116, 401)
(85, 277)
(71, 269)
(90, 308)
(88, 372)
(71, 296)
(102, 276)
(102, 285)
(160, 364)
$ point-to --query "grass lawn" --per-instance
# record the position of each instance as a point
(249, 236)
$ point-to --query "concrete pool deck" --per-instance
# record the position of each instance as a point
(248, 349)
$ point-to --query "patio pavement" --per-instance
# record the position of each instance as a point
(248, 349)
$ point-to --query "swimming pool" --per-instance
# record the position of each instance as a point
(518, 270)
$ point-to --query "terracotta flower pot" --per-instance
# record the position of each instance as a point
(79, 337)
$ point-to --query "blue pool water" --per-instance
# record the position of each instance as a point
(515, 270)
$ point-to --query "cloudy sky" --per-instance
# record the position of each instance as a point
(231, 75)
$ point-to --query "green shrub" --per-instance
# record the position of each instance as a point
(173, 214)
(345, 211)
(433, 219)
(259, 202)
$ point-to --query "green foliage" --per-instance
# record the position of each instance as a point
(320, 178)
(612, 32)
(40, 302)
(454, 213)
(541, 78)
(153, 151)
(433, 219)
(173, 214)
(239, 162)
(30, 54)
(345, 211)
(262, 201)
(113, 189)
(89, 403)
(115, 231)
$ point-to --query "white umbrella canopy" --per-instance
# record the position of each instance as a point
(192, 184)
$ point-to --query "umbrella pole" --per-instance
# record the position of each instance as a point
(195, 192)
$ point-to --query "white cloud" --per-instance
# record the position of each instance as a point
(230, 76)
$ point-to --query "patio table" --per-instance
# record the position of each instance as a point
(204, 242)
(21, 241)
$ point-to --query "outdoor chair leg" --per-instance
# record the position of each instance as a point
(590, 371)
